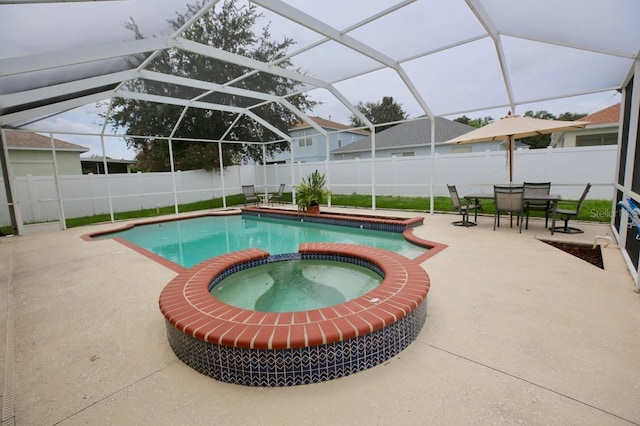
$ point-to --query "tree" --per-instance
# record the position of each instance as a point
(571, 116)
(542, 115)
(231, 28)
(543, 141)
(476, 122)
(385, 111)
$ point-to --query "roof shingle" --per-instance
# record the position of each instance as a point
(327, 124)
(604, 116)
(29, 140)
(410, 133)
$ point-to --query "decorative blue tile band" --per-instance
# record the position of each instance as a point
(297, 366)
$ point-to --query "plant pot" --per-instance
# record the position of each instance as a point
(315, 209)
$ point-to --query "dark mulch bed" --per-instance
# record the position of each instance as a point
(582, 251)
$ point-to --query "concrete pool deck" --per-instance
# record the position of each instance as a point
(517, 332)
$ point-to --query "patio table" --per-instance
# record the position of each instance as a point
(552, 198)
(265, 199)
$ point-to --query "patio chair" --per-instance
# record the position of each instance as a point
(508, 199)
(463, 209)
(567, 214)
(250, 196)
(536, 188)
(278, 195)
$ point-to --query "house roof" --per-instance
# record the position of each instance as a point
(35, 141)
(327, 124)
(410, 133)
(604, 116)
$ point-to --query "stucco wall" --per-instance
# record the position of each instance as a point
(317, 151)
(40, 163)
(569, 140)
(423, 150)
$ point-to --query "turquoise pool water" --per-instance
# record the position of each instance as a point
(188, 242)
(296, 285)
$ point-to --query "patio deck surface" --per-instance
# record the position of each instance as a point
(517, 332)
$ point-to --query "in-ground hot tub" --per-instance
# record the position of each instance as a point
(289, 283)
(255, 348)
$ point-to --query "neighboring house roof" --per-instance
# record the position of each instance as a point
(35, 141)
(410, 133)
(326, 124)
(604, 116)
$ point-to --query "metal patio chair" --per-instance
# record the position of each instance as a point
(463, 209)
(250, 195)
(567, 214)
(278, 195)
(508, 199)
(536, 188)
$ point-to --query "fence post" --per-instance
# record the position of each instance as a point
(221, 161)
(107, 180)
(173, 178)
(56, 175)
(8, 178)
(33, 199)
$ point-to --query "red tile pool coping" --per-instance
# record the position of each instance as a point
(91, 235)
(189, 307)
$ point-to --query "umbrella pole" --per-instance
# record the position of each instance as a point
(510, 160)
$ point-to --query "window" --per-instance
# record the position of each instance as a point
(402, 154)
(596, 140)
(461, 149)
(305, 140)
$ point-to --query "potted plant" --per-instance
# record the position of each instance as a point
(311, 192)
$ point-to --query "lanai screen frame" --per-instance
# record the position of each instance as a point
(31, 105)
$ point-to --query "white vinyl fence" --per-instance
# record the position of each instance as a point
(569, 169)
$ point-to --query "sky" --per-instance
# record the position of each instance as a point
(463, 79)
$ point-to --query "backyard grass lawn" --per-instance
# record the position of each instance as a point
(592, 210)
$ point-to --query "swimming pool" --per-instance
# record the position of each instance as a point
(259, 348)
(187, 242)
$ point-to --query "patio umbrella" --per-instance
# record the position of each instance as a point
(514, 127)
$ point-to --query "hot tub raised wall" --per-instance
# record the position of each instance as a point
(376, 223)
(282, 349)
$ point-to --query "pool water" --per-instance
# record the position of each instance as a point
(188, 242)
(295, 285)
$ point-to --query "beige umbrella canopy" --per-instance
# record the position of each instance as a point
(514, 127)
